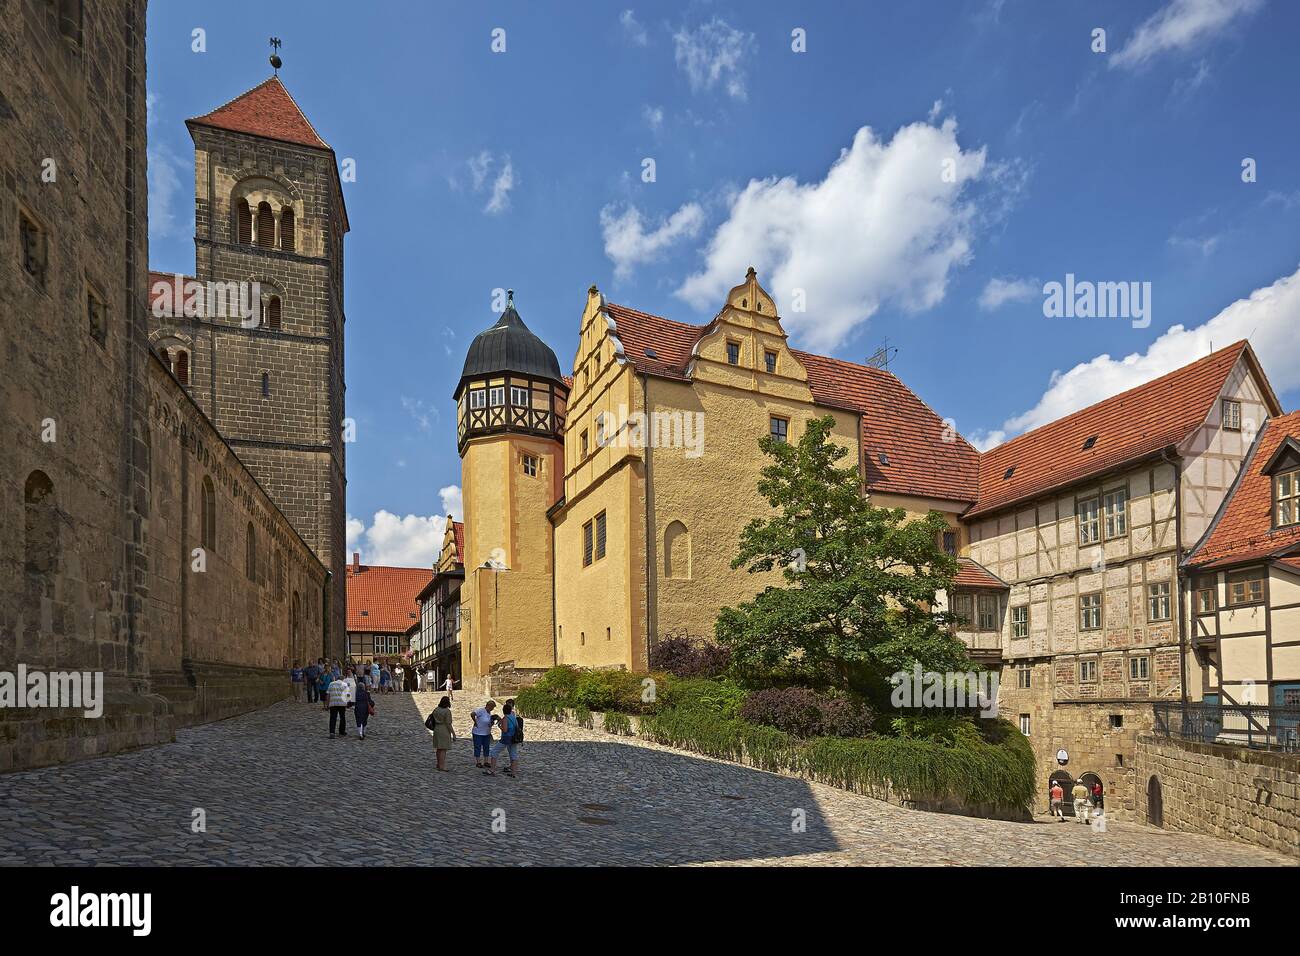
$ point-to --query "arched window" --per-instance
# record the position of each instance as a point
(183, 367)
(273, 312)
(265, 225)
(266, 384)
(41, 525)
(250, 553)
(677, 551)
(245, 218)
(286, 229)
(208, 515)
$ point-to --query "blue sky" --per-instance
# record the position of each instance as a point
(919, 171)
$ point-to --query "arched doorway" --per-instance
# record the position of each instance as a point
(1155, 803)
(1066, 781)
(1089, 779)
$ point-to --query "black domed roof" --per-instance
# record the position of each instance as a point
(509, 346)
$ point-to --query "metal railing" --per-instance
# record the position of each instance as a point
(1243, 725)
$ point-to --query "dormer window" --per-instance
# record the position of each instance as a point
(733, 353)
(1231, 415)
(884, 459)
(1286, 497)
(1089, 442)
(1009, 472)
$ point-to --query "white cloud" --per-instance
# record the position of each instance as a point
(632, 29)
(998, 292)
(885, 226)
(1181, 25)
(1204, 247)
(480, 171)
(935, 110)
(478, 168)
(1268, 317)
(424, 413)
(412, 541)
(164, 175)
(714, 54)
(628, 244)
(653, 116)
(501, 187)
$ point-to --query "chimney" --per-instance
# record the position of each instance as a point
(356, 562)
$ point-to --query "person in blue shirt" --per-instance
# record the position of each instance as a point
(509, 726)
(296, 679)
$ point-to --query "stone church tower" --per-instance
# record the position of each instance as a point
(269, 210)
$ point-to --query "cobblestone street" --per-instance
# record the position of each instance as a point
(266, 779)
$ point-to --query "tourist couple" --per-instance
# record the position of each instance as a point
(510, 724)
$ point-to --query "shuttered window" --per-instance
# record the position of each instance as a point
(273, 312)
(183, 367)
(265, 225)
(600, 536)
(286, 229)
(586, 544)
(245, 217)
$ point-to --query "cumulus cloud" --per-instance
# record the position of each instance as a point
(1182, 25)
(1268, 317)
(713, 56)
(632, 29)
(412, 541)
(998, 292)
(629, 244)
(887, 225)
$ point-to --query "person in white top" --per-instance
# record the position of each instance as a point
(351, 681)
(482, 733)
(448, 685)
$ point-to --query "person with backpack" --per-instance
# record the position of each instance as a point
(440, 725)
(512, 735)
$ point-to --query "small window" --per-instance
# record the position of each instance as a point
(286, 229)
(1090, 612)
(586, 544)
(95, 317)
(1024, 677)
(1089, 521)
(988, 612)
(584, 442)
(1024, 724)
(962, 606)
(244, 216)
(1116, 721)
(497, 395)
(1247, 588)
(1087, 672)
(519, 396)
(769, 359)
(1286, 491)
(1139, 668)
(609, 634)
(183, 367)
(1205, 600)
(265, 225)
(477, 398)
(266, 384)
(733, 353)
(530, 466)
(1231, 415)
(1158, 601)
(600, 536)
(780, 428)
(273, 312)
(1089, 442)
(1020, 621)
(950, 543)
(1116, 507)
(34, 249)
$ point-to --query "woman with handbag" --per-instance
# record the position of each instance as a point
(444, 734)
(362, 709)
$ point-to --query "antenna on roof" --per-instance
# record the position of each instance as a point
(881, 356)
(276, 62)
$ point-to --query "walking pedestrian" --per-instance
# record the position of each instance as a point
(1080, 795)
(398, 674)
(296, 678)
(1097, 795)
(374, 675)
(339, 694)
(310, 674)
(443, 731)
(512, 735)
(482, 733)
(323, 682)
(385, 680)
(362, 708)
(449, 685)
(1057, 797)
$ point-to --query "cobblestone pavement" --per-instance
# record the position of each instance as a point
(583, 797)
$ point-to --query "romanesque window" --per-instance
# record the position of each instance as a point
(96, 318)
(1139, 668)
(208, 516)
(1116, 507)
(40, 525)
(779, 428)
(286, 229)
(1231, 415)
(1286, 492)
(1020, 621)
(1090, 612)
(250, 553)
(244, 217)
(1158, 601)
(1089, 521)
(265, 225)
(34, 248)
(183, 367)
(677, 551)
(273, 312)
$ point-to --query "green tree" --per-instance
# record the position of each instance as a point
(860, 581)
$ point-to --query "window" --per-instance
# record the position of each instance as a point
(1139, 668)
(477, 398)
(208, 518)
(1231, 415)
(1024, 677)
(600, 536)
(1286, 492)
(988, 608)
(609, 635)
(586, 544)
(780, 428)
(273, 312)
(250, 553)
(244, 222)
(497, 395)
(1089, 612)
(1245, 588)
(265, 225)
(584, 442)
(1087, 672)
(1205, 600)
(34, 248)
(733, 353)
(1158, 601)
(1020, 621)
(183, 367)
(95, 317)
(266, 384)
(1116, 504)
(1089, 521)
(950, 543)
(519, 396)
(1024, 724)
(530, 466)
(1116, 721)
(961, 608)
(286, 229)
(769, 359)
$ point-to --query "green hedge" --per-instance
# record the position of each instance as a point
(618, 723)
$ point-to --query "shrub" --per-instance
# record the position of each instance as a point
(582, 717)
(593, 691)
(806, 713)
(537, 703)
(559, 683)
(937, 728)
(618, 723)
(718, 698)
(688, 657)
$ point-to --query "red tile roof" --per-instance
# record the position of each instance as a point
(382, 599)
(924, 456)
(972, 574)
(458, 529)
(1128, 427)
(1243, 529)
(266, 110)
(177, 292)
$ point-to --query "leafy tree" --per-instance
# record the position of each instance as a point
(860, 581)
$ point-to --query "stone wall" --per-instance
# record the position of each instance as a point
(1232, 792)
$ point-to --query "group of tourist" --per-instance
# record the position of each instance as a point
(314, 680)
(1082, 796)
(509, 726)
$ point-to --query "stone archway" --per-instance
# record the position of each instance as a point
(1066, 780)
(1155, 803)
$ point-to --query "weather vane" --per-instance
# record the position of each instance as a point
(276, 62)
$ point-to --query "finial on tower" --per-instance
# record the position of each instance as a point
(510, 298)
(276, 62)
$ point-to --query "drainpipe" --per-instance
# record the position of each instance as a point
(1178, 565)
(651, 612)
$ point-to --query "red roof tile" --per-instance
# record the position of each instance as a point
(1243, 530)
(458, 529)
(266, 110)
(972, 574)
(1128, 427)
(925, 457)
(383, 599)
